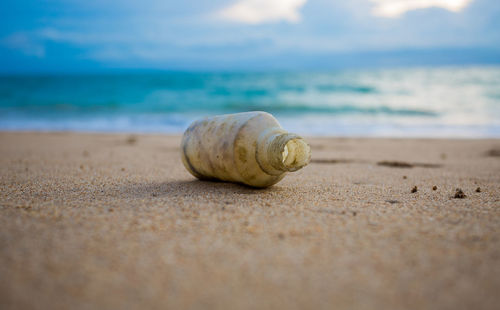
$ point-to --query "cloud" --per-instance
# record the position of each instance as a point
(396, 8)
(262, 11)
(190, 34)
(25, 43)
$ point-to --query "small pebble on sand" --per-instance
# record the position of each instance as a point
(392, 201)
(478, 190)
(131, 139)
(434, 188)
(414, 189)
(459, 193)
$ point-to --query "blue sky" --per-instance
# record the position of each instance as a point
(89, 35)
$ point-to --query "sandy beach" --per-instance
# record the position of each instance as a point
(114, 221)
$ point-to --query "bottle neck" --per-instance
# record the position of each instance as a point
(279, 151)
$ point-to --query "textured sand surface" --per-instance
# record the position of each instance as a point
(92, 221)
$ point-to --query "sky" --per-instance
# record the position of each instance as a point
(95, 35)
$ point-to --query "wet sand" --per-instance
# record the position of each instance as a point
(102, 221)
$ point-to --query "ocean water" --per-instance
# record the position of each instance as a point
(424, 102)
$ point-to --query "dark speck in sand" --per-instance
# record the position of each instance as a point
(395, 164)
(459, 194)
(330, 161)
(402, 164)
(392, 201)
(354, 213)
(281, 236)
(414, 189)
(434, 188)
(131, 140)
(493, 152)
(405, 177)
(154, 194)
(478, 190)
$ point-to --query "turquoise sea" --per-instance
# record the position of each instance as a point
(423, 102)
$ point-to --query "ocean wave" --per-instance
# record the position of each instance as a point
(332, 88)
(422, 98)
(300, 109)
